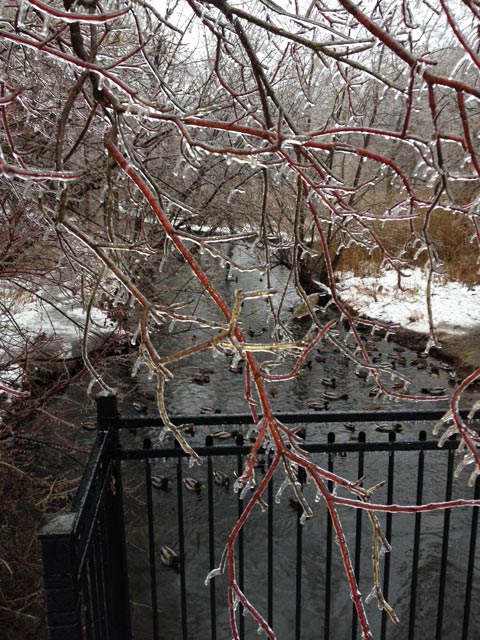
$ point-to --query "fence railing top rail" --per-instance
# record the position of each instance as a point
(320, 417)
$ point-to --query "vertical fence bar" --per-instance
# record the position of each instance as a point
(181, 545)
(388, 533)
(100, 578)
(147, 444)
(270, 550)
(60, 579)
(241, 574)
(92, 570)
(302, 476)
(358, 533)
(211, 539)
(471, 563)
(120, 620)
(102, 548)
(416, 539)
(445, 539)
(328, 551)
(87, 622)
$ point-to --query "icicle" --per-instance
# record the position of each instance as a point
(371, 595)
(263, 505)
(237, 358)
(473, 410)
(213, 574)
(473, 476)
(22, 13)
(466, 460)
(134, 338)
(90, 386)
(136, 366)
(430, 344)
(235, 603)
(303, 518)
(443, 420)
(446, 435)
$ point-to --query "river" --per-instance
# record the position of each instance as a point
(205, 383)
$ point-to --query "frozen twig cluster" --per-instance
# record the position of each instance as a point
(313, 131)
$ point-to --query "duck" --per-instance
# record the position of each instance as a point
(349, 426)
(160, 482)
(254, 334)
(192, 485)
(329, 382)
(387, 427)
(201, 377)
(302, 310)
(221, 479)
(331, 395)
(169, 557)
(209, 409)
(318, 405)
(141, 408)
(362, 373)
(224, 435)
(433, 391)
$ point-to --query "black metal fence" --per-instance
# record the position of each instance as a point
(105, 572)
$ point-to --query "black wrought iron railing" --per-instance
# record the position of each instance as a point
(105, 572)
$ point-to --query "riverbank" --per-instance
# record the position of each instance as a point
(455, 310)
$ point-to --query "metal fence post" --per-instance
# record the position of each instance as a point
(116, 549)
(59, 578)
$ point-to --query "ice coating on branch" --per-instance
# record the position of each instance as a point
(452, 429)
(443, 421)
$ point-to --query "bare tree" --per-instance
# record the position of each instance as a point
(129, 130)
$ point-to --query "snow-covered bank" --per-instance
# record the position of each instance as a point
(60, 322)
(455, 308)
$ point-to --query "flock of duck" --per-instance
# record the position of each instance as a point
(169, 557)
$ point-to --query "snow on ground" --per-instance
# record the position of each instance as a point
(57, 318)
(455, 306)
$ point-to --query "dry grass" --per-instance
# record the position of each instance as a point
(450, 235)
